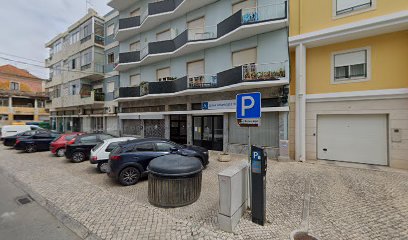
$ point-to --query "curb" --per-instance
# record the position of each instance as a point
(75, 226)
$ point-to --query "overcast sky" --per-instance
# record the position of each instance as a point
(26, 25)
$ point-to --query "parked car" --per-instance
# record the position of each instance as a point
(57, 146)
(11, 140)
(40, 141)
(11, 130)
(79, 148)
(128, 161)
(100, 153)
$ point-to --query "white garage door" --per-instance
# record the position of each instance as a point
(353, 138)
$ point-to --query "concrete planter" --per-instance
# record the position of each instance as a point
(301, 235)
(223, 157)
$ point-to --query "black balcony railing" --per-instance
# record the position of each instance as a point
(129, 22)
(99, 96)
(163, 6)
(125, 92)
(128, 57)
(229, 24)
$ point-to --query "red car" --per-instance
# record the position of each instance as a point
(57, 146)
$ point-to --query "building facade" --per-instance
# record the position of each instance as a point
(181, 64)
(349, 81)
(76, 86)
(22, 96)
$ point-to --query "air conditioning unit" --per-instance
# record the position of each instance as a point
(110, 110)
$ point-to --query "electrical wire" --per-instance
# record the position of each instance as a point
(11, 55)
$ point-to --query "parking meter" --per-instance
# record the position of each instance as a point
(258, 175)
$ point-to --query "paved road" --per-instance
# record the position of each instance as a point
(345, 203)
(29, 221)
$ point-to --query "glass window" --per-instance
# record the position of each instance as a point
(346, 6)
(74, 37)
(14, 86)
(243, 57)
(163, 74)
(110, 87)
(70, 137)
(164, 147)
(111, 147)
(134, 46)
(134, 80)
(111, 58)
(88, 139)
(105, 136)
(4, 102)
(144, 147)
(110, 29)
(350, 65)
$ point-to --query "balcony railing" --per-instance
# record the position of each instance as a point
(129, 22)
(202, 81)
(243, 17)
(96, 96)
(99, 40)
(246, 73)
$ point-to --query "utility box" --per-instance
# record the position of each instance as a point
(233, 195)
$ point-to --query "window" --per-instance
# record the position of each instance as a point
(162, 36)
(70, 137)
(40, 103)
(86, 31)
(134, 46)
(73, 63)
(347, 6)
(135, 12)
(104, 136)
(86, 58)
(144, 147)
(110, 87)
(74, 37)
(111, 147)
(14, 86)
(134, 80)
(163, 73)
(196, 29)
(73, 90)
(195, 68)
(110, 29)
(88, 139)
(57, 47)
(351, 65)
(111, 58)
(4, 102)
(244, 57)
(247, 4)
(164, 147)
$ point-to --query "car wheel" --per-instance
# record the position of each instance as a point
(60, 152)
(103, 167)
(31, 148)
(78, 157)
(129, 176)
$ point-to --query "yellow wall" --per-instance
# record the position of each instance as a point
(312, 15)
(4, 110)
(389, 64)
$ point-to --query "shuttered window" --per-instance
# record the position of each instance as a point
(162, 36)
(110, 29)
(134, 46)
(244, 57)
(243, 5)
(110, 87)
(346, 6)
(135, 12)
(196, 29)
(134, 80)
(195, 68)
(163, 73)
(350, 65)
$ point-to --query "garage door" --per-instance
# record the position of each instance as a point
(353, 138)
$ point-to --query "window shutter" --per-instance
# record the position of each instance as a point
(243, 5)
(134, 80)
(346, 4)
(352, 58)
(135, 13)
(163, 73)
(196, 28)
(134, 46)
(195, 68)
(162, 36)
(244, 57)
(110, 87)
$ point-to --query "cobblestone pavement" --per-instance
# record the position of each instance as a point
(345, 203)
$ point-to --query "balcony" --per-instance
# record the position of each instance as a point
(86, 98)
(9, 93)
(155, 14)
(93, 71)
(241, 77)
(242, 24)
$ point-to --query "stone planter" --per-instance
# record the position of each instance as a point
(223, 157)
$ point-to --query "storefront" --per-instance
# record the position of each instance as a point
(178, 128)
(208, 132)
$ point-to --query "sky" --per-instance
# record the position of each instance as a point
(26, 25)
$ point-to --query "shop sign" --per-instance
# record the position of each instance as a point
(214, 105)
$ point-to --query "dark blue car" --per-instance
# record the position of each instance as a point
(11, 140)
(40, 141)
(128, 161)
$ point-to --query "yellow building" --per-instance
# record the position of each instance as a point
(22, 97)
(349, 86)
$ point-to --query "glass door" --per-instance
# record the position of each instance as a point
(208, 132)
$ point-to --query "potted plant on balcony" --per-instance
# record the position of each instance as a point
(144, 88)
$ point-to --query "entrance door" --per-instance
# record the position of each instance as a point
(178, 129)
(208, 132)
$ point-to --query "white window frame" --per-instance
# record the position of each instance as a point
(336, 16)
(15, 84)
(107, 58)
(110, 30)
(355, 79)
(109, 87)
(130, 80)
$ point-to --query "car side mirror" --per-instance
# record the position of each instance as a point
(173, 150)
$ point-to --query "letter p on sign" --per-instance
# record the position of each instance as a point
(248, 106)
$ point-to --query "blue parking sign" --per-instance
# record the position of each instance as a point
(249, 105)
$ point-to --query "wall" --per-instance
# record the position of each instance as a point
(389, 63)
(313, 15)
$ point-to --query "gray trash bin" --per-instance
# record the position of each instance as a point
(174, 180)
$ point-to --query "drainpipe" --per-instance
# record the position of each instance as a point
(300, 122)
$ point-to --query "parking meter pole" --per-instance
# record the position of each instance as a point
(249, 169)
(258, 181)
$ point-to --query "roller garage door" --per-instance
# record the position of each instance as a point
(353, 138)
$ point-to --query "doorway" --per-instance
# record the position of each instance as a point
(208, 132)
(178, 128)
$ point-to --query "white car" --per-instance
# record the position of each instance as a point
(100, 153)
(11, 130)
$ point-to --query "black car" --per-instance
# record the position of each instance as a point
(128, 161)
(79, 148)
(39, 141)
(11, 140)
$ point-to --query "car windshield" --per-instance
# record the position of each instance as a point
(69, 137)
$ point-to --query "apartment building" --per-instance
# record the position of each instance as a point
(22, 96)
(76, 63)
(182, 62)
(350, 81)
